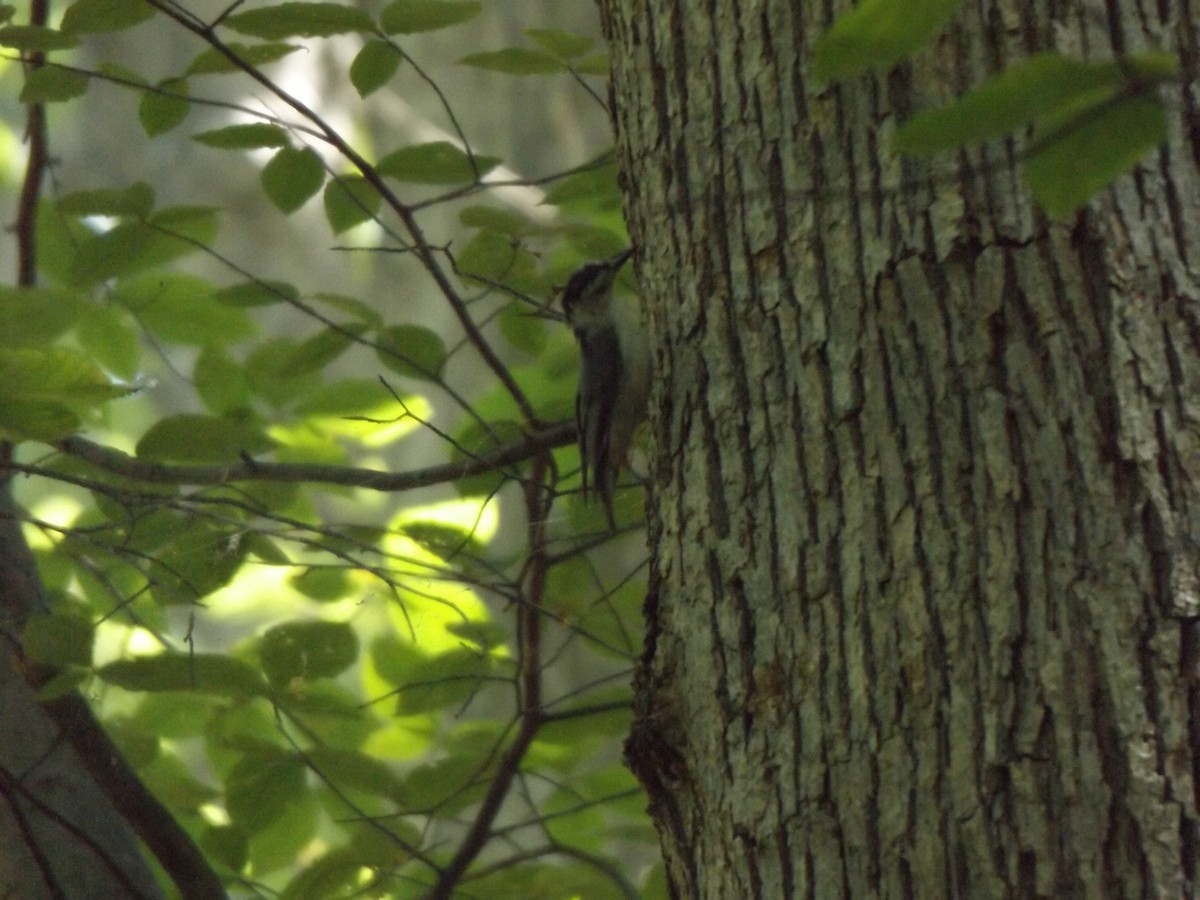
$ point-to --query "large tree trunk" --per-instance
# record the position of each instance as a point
(923, 617)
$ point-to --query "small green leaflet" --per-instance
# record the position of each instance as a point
(35, 38)
(212, 61)
(373, 67)
(314, 649)
(438, 162)
(878, 34)
(413, 351)
(206, 673)
(58, 639)
(563, 44)
(1078, 157)
(52, 85)
(516, 61)
(412, 16)
(1092, 121)
(285, 20)
(188, 437)
(349, 200)
(162, 109)
(136, 201)
(95, 16)
(292, 177)
(250, 136)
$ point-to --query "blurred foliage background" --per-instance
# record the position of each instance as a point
(291, 438)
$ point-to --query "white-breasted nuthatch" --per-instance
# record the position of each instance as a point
(614, 372)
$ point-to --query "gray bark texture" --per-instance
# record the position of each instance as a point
(925, 606)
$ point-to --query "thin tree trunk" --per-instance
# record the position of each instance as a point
(923, 616)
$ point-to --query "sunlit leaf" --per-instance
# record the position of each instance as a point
(412, 16)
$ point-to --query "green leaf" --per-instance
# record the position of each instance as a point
(213, 62)
(188, 437)
(181, 309)
(95, 16)
(878, 34)
(516, 61)
(373, 66)
(307, 650)
(323, 584)
(106, 332)
(411, 16)
(474, 440)
(260, 789)
(493, 218)
(496, 258)
(58, 639)
(160, 111)
(349, 200)
(205, 673)
(136, 201)
(292, 177)
(221, 382)
(132, 247)
(592, 184)
(299, 20)
(250, 136)
(563, 44)
(320, 350)
(55, 374)
(1025, 91)
(227, 845)
(27, 420)
(439, 162)
(596, 64)
(35, 39)
(257, 293)
(32, 316)
(522, 329)
(52, 85)
(1080, 152)
(413, 351)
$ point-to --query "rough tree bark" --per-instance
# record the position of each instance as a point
(923, 615)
